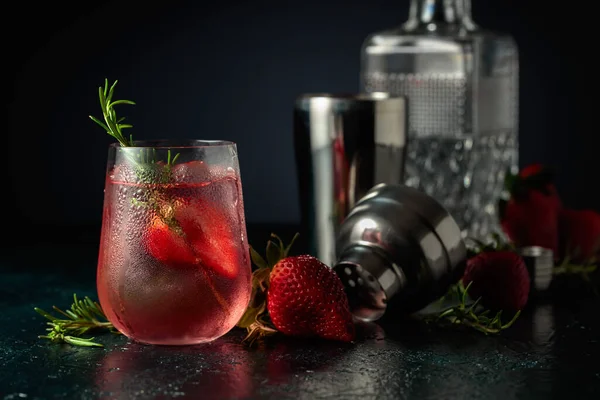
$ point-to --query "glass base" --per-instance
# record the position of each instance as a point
(174, 341)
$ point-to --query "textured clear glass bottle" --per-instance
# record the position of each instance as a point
(461, 82)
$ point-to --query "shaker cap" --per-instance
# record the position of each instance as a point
(369, 278)
(435, 215)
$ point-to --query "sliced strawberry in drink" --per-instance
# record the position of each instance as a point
(168, 246)
(202, 236)
(211, 235)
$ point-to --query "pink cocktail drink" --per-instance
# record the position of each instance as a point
(174, 263)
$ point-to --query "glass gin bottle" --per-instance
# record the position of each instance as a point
(461, 82)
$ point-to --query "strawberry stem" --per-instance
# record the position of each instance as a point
(257, 331)
(256, 317)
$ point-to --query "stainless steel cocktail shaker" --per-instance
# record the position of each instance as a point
(398, 248)
(344, 144)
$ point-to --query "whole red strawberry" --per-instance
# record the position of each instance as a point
(306, 298)
(499, 278)
(540, 178)
(580, 234)
(530, 216)
(297, 296)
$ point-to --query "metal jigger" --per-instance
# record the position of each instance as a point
(540, 265)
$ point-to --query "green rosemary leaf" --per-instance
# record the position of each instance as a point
(82, 342)
(446, 313)
(105, 91)
(44, 314)
(111, 91)
(512, 321)
(114, 103)
(61, 311)
(102, 95)
(84, 316)
(102, 124)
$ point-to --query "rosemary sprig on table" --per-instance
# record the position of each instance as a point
(470, 314)
(584, 270)
(84, 316)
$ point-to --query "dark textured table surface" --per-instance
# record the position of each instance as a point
(553, 351)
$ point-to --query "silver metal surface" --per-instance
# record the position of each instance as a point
(540, 264)
(403, 246)
(344, 145)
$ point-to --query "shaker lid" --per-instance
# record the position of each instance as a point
(435, 215)
(370, 279)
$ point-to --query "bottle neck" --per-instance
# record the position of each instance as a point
(436, 15)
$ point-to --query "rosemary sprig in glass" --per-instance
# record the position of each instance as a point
(84, 316)
(112, 125)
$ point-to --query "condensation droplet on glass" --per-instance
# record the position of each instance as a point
(467, 180)
(469, 144)
(454, 166)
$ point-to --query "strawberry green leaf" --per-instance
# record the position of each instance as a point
(509, 180)
(257, 305)
(279, 244)
(273, 253)
(286, 251)
(256, 318)
(257, 259)
(257, 331)
(260, 278)
(251, 316)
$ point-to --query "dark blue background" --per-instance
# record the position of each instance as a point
(231, 70)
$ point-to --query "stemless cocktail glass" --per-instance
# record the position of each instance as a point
(174, 264)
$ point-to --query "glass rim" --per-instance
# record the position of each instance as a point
(174, 144)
